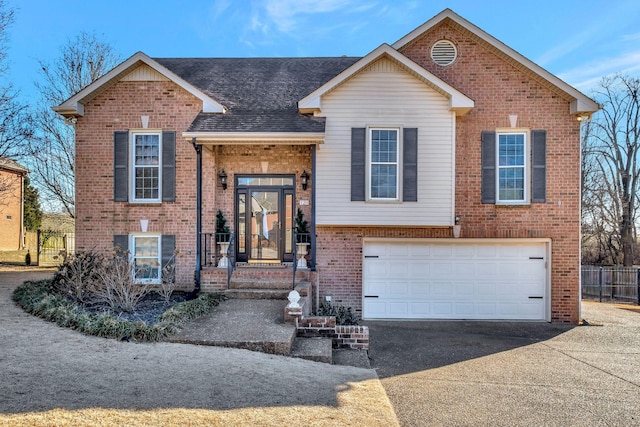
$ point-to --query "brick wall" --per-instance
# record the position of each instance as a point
(247, 159)
(10, 210)
(343, 336)
(119, 108)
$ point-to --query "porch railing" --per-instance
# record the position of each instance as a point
(231, 255)
(208, 245)
(211, 254)
(298, 238)
(611, 283)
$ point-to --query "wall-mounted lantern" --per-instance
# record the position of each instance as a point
(304, 179)
(223, 179)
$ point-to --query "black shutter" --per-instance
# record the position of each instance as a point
(121, 242)
(538, 166)
(358, 163)
(168, 166)
(168, 248)
(121, 166)
(488, 167)
(410, 165)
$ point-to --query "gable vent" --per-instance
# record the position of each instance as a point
(444, 53)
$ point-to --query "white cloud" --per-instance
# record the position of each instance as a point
(289, 15)
(589, 75)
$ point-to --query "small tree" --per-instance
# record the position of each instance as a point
(32, 211)
(222, 231)
(302, 227)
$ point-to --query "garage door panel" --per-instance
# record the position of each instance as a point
(442, 251)
(375, 309)
(397, 290)
(486, 270)
(399, 269)
(464, 290)
(485, 251)
(464, 251)
(509, 269)
(375, 269)
(419, 290)
(376, 288)
(486, 309)
(441, 289)
(464, 309)
(398, 308)
(419, 309)
(442, 308)
(420, 270)
(441, 270)
(464, 270)
(398, 250)
(420, 251)
(466, 280)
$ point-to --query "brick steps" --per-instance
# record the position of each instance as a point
(279, 294)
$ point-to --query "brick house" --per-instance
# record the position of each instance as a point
(440, 175)
(12, 204)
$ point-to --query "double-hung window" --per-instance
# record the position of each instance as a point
(146, 170)
(146, 256)
(512, 168)
(383, 164)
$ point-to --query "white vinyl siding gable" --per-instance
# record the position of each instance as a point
(384, 95)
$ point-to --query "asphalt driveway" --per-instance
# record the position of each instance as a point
(511, 374)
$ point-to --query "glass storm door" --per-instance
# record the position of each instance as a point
(264, 226)
(264, 219)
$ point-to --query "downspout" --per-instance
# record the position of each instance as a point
(196, 275)
(313, 208)
(314, 178)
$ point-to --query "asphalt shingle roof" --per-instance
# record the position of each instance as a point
(261, 94)
(12, 165)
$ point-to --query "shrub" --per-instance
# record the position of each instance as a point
(344, 316)
(168, 283)
(118, 287)
(78, 277)
(35, 298)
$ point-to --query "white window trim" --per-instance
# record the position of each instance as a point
(132, 165)
(527, 166)
(398, 198)
(132, 256)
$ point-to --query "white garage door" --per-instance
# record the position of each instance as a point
(455, 280)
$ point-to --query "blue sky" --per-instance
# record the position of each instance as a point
(579, 41)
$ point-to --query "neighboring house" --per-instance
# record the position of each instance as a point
(446, 130)
(11, 204)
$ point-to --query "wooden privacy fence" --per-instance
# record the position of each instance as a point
(611, 283)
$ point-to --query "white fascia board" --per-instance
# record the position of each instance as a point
(588, 106)
(240, 137)
(74, 106)
(459, 102)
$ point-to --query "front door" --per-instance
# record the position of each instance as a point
(264, 218)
